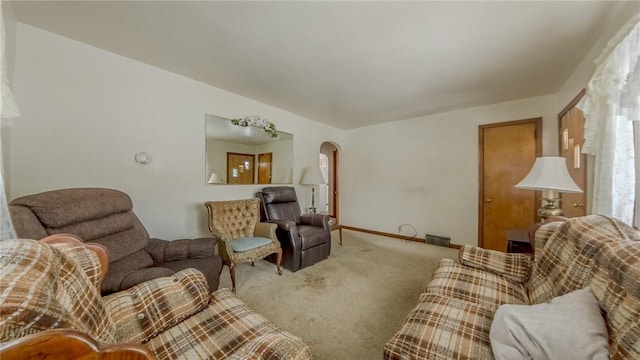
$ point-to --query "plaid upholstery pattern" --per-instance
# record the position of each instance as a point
(46, 286)
(41, 288)
(453, 280)
(227, 329)
(147, 309)
(453, 317)
(440, 328)
(567, 260)
(543, 234)
(621, 311)
(515, 267)
(604, 254)
(87, 260)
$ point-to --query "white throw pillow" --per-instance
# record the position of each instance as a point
(570, 327)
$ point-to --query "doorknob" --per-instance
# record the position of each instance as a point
(576, 205)
(488, 200)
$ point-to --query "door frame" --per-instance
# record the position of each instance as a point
(565, 110)
(335, 186)
(332, 151)
(538, 123)
(585, 164)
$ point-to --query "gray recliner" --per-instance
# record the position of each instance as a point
(106, 217)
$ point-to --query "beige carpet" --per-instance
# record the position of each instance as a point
(349, 305)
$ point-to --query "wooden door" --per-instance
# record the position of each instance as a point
(507, 153)
(571, 138)
(264, 168)
(333, 210)
(240, 168)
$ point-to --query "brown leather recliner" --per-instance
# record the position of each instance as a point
(106, 217)
(306, 238)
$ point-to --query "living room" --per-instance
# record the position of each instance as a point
(138, 107)
(86, 112)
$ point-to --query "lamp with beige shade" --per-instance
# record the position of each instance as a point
(549, 174)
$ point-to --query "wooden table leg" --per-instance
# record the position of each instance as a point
(339, 228)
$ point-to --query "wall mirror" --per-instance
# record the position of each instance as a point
(237, 155)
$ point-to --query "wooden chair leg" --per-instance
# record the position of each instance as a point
(278, 260)
(232, 272)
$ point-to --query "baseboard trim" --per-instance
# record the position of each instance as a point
(395, 236)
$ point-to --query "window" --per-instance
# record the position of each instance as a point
(611, 108)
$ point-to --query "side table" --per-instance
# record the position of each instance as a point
(518, 241)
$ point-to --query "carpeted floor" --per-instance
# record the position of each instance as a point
(349, 305)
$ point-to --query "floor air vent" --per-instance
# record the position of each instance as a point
(437, 240)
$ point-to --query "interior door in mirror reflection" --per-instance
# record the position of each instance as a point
(264, 168)
(237, 170)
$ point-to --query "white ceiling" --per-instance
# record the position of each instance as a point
(346, 64)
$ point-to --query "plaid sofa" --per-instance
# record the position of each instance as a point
(46, 286)
(453, 316)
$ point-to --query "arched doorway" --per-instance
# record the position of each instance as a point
(328, 194)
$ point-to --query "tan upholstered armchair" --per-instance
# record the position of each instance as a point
(241, 237)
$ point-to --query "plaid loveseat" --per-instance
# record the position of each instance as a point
(454, 314)
(46, 286)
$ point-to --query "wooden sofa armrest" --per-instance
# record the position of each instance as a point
(69, 344)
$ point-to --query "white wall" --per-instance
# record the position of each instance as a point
(424, 171)
(582, 74)
(86, 112)
(381, 187)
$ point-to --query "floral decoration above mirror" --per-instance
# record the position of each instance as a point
(259, 121)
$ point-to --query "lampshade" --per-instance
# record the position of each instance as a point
(312, 176)
(549, 173)
(215, 179)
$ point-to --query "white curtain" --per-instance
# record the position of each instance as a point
(611, 103)
(8, 108)
(636, 144)
(8, 111)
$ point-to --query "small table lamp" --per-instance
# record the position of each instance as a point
(313, 176)
(215, 179)
(549, 174)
